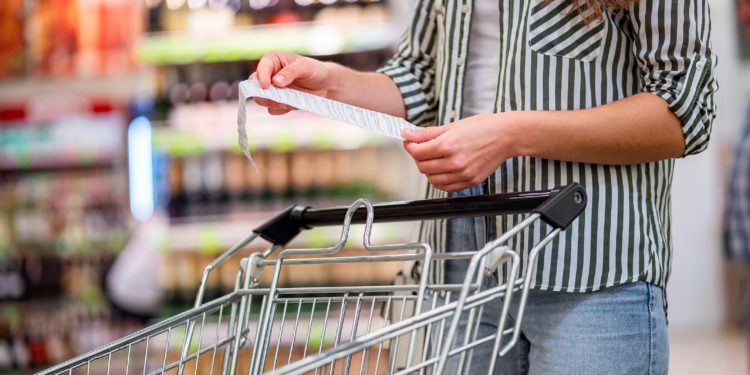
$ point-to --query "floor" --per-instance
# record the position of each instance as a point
(709, 353)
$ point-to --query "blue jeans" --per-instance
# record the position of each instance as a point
(618, 330)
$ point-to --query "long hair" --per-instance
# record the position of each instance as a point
(592, 9)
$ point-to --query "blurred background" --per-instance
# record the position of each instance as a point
(120, 176)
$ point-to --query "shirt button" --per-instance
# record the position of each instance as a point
(452, 115)
(460, 61)
(699, 65)
(464, 8)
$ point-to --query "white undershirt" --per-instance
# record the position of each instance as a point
(483, 62)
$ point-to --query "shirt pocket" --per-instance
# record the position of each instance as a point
(556, 29)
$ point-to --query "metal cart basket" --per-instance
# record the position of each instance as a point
(413, 326)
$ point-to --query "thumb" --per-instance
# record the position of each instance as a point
(425, 134)
(291, 72)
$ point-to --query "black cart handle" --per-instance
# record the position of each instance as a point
(557, 207)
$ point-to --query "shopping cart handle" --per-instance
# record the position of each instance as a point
(557, 207)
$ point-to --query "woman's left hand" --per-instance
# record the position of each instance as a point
(462, 154)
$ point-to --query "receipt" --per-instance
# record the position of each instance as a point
(382, 123)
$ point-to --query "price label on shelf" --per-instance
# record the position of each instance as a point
(377, 122)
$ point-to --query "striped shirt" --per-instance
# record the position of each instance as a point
(737, 214)
(551, 59)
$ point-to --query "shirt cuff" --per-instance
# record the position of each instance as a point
(418, 110)
(689, 104)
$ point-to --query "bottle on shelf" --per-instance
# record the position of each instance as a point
(302, 172)
(235, 176)
(258, 181)
(192, 182)
(6, 350)
(20, 352)
(278, 175)
(213, 182)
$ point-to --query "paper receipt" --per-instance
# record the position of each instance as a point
(382, 123)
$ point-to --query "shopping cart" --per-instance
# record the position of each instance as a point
(413, 326)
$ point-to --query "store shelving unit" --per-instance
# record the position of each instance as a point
(66, 86)
(64, 163)
(251, 43)
(302, 158)
(62, 222)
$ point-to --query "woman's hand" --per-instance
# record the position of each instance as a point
(370, 90)
(292, 71)
(462, 154)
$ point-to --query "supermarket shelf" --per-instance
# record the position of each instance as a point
(212, 235)
(54, 166)
(57, 93)
(72, 142)
(250, 43)
(193, 130)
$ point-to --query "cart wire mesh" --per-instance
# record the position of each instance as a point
(413, 326)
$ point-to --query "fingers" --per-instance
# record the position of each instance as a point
(449, 173)
(437, 166)
(273, 107)
(269, 65)
(266, 68)
(278, 112)
(445, 179)
(433, 149)
(424, 144)
(425, 134)
(287, 70)
(451, 182)
(297, 70)
(454, 187)
(265, 102)
(442, 179)
(272, 104)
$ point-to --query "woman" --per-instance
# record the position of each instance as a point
(530, 94)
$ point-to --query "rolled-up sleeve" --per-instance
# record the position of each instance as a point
(673, 50)
(412, 68)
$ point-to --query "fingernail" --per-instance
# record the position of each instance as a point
(279, 79)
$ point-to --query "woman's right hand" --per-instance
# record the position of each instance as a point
(292, 71)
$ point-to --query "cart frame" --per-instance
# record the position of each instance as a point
(557, 207)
